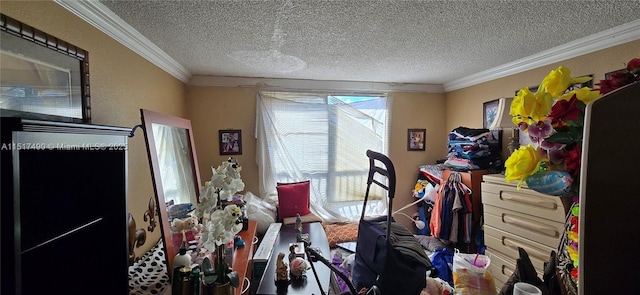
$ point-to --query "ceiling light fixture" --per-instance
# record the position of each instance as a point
(272, 60)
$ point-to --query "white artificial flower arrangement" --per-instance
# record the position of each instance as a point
(224, 184)
(220, 225)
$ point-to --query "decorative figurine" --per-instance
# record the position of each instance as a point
(282, 272)
(292, 253)
(298, 227)
(299, 268)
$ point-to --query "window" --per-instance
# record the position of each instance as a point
(323, 138)
(174, 160)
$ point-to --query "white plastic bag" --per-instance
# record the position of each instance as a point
(470, 275)
(260, 211)
(476, 263)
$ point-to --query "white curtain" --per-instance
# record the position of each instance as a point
(174, 159)
(322, 138)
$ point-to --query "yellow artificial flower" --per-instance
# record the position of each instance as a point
(556, 82)
(522, 106)
(523, 162)
(584, 94)
(530, 108)
(573, 253)
(542, 106)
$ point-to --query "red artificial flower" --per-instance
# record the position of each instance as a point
(619, 79)
(564, 110)
(633, 65)
(574, 223)
(606, 87)
(572, 160)
(615, 81)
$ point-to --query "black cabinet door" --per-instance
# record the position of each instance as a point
(64, 223)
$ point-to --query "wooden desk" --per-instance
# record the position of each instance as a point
(242, 256)
(287, 235)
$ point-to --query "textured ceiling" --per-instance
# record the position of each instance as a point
(430, 42)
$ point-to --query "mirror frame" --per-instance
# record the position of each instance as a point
(148, 119)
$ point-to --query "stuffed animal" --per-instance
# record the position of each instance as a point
(192, 224)
(177, 225)
(436, 286)
(187, 224)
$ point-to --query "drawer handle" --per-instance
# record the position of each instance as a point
(530, 250)
(531, 225)
(506, 270)
(528, 200)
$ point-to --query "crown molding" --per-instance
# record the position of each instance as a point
(301, 84)
(615, 36)
(99, 16)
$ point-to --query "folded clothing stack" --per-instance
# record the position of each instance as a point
(472, 149)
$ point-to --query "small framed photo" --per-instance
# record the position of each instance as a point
(416, 139)
(489, 112)
(230, 142)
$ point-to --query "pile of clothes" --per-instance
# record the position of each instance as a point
(472, 149)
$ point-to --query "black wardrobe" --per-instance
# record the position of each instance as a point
(63, 208)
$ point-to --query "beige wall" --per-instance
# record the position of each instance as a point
(415, 110)
(122, 82)
(211, 109)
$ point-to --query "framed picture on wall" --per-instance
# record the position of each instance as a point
(230, 142)
(415, 139)
(489, 112)
(42, 77)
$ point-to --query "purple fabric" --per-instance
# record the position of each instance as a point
(337, 262)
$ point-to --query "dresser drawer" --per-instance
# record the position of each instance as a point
(499, 241)
(531, 227)
(499, 284)
(523, 200)
(501, 268)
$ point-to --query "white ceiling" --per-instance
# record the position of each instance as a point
(449, 44)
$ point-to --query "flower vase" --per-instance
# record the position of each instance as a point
(218, 289)
(554, 183)
(223, 289)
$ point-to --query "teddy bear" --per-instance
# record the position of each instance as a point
(187, 224)
(177, 225)
(192, 224)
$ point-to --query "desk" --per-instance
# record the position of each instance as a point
(242, 256)
(287, 235)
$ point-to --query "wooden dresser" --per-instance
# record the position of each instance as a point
(518, 218)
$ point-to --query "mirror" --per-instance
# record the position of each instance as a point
(176, 179)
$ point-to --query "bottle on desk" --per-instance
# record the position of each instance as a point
(182, 258)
